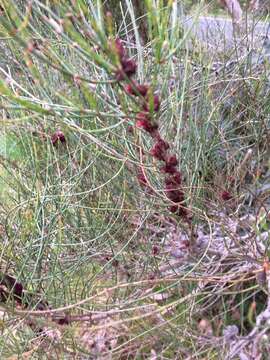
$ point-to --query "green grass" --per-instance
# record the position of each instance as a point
(79, 231)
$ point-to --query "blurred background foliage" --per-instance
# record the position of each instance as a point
(211, 6)
(207, 7)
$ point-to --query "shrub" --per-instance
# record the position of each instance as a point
(133, 211)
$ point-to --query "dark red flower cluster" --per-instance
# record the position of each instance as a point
(175, 193)
(136, 89)
(226, 196)
(128, 66)
(144, 120)
(172, 161)
(170, 164)
(150, 102)
(159, 150)
(58, 136)
(155, 250)
(173, 181)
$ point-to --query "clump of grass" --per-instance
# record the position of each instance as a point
(124, 156)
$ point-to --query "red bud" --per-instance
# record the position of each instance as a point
(225, 195)
(58, 136)
(172, 160)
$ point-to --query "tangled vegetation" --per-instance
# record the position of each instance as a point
(134, 197)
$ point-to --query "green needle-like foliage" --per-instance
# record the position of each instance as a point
(134, 173)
